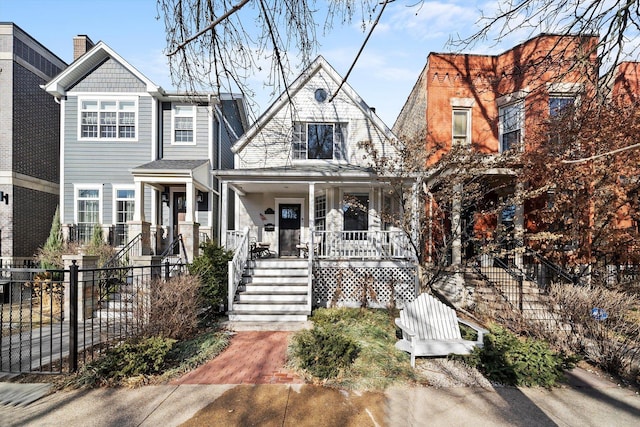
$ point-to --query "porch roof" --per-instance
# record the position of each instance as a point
(174, 171)
(306, 172)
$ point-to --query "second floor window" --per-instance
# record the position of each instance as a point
(511, 123)
(108, 119)
(461, 127)
(319, 141)
(561, 110)
(183, 124)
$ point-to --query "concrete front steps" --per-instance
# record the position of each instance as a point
(273, 290)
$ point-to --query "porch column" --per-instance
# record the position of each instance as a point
(312, 226)
(311, 213)
(456, 225)
(224, 212)
(190, 199)
(138, 209)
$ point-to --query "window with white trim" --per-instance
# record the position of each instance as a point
(183, 123)
(108, 118)
(87, 212)
(125, 203)
(461, 127)
(320, 212)
(561, 111)
(511, 124)
(319, 141)
(355, 209)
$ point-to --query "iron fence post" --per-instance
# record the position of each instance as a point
(166, 270)
(73, 317)
(520, 292)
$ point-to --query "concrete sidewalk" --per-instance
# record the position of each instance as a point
(587, 400)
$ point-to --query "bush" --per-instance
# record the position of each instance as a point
(50, 255)
(212, 268)
(509, 360)
(131, 358)
(613, 341)
(324, 352)
(173, 307)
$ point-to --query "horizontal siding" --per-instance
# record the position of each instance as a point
(271, 146)
(103, 161)
(187, 152)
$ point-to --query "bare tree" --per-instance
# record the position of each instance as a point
(219, 45)
(617, 23)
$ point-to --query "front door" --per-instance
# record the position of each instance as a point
(289, 234)
(179, 212)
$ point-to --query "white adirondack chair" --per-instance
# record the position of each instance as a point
(430, 328)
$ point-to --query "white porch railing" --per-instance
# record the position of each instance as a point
(240, 246)
(362, 245)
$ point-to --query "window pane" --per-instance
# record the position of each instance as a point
(356, 212)
(108, 105)
(299, 142)
(339, 148)
(560, 105)
(459, 123)
(89, 105)
(320, 141)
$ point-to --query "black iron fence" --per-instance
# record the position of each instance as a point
(53, 319)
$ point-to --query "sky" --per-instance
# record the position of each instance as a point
(383, 76)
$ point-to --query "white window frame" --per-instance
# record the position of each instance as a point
(116, 199)
(300, 141)
(76, 198)
(183, 111)
(103, 101)
(467, 136)
(519, 105)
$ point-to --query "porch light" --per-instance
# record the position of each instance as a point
(165, 197)
(199, 197)
(269, 211)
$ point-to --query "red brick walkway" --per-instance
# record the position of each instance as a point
(251, 358)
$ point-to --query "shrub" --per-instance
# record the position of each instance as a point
(173, 307)
(212, 268)
(324, 352)
(132, 358)
(612, 341)
(510, 360)
(50, 255)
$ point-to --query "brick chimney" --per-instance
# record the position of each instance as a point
(81, 44)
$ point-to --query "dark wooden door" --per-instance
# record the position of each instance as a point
(289, 229)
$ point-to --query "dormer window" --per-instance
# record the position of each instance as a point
(319, 141)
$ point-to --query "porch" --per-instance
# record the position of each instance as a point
(372, 269)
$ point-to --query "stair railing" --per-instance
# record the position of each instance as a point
(237, 266)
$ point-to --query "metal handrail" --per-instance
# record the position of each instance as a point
(553, 266)
(177, 243)
(115, 259)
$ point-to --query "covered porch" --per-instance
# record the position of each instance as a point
(181, 205)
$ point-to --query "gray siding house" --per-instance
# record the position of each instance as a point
(29, 144)
(137, 160)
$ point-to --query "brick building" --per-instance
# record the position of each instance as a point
(29, 143)
(486, 104)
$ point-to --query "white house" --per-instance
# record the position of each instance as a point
(305, 193)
